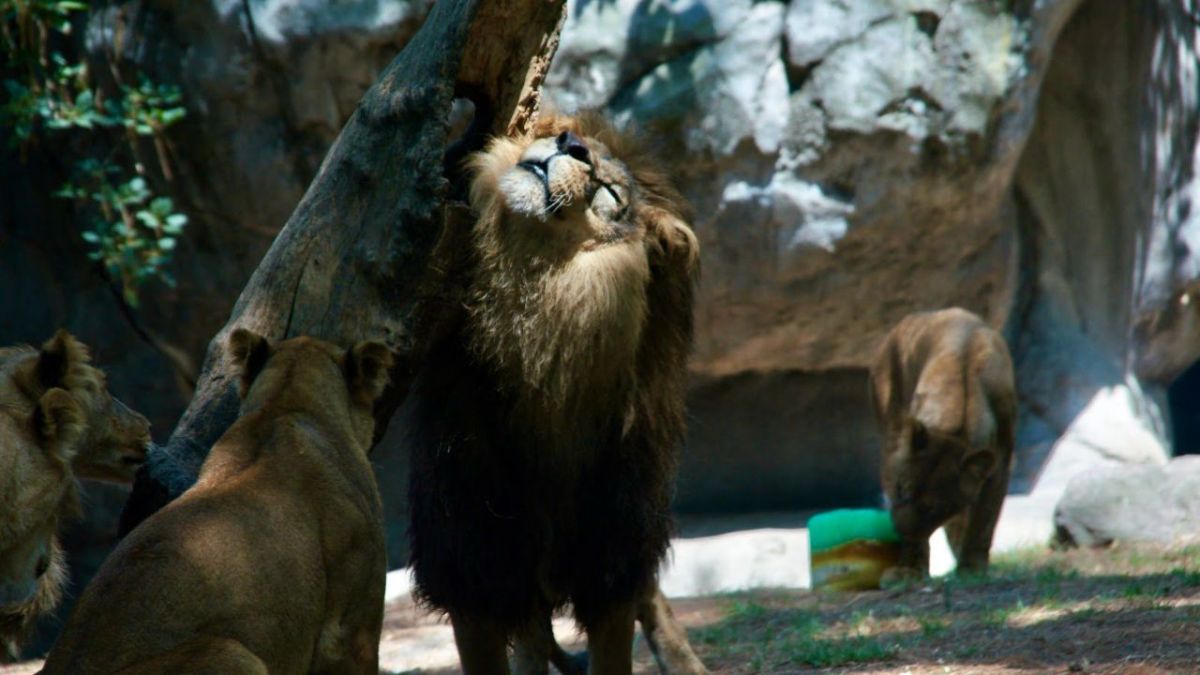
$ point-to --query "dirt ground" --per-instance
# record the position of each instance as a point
(1132, 610)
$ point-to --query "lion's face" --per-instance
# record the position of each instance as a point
(561, 190)
(117, 437)
(931, 476)
(569, 178)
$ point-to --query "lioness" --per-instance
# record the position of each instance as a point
(544, 429)
(37, 490)
(57, 421)
(115, 438)
(274, 560)
(946, 403)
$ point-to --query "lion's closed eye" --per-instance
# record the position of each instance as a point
(608, 202)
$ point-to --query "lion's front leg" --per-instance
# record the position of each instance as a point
(975, 542)
(912, 565)
(610, 640)
(666, 638)
(482, 645)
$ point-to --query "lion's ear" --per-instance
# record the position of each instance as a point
(975, 468)
(367, 365)
(56, 358)
(670, 240)
(59, 422)
(249, 352)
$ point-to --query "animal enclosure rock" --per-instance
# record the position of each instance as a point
(1159, 504)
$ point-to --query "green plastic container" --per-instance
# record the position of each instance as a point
(850, 548)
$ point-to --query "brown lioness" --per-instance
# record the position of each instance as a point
(274, 560)
(37, 490)
(545, 427)
(946, 404)
(115, 437)
(57, 421)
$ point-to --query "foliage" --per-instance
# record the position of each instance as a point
(130, 231)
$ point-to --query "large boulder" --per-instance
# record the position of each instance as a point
(1157, 504)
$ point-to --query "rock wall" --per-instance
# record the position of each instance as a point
(849, 161)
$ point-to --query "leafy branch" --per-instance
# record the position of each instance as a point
(129, 230)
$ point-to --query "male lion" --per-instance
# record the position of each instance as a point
(57, 421)
(544, 428)
(945, 400)
(274, 560)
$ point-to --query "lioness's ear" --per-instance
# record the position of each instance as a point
(975, 468)
(367, 366)
(57, 356)
(59, 421)
(249, 352)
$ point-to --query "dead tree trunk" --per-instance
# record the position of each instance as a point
(350, 261)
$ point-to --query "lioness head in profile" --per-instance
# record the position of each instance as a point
(570, 220)
(115, 438)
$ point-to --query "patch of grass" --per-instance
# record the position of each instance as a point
(998, 617)
(932, 626)
(1020, 562)
(1185, 577)
(764, 637)
(1138, 588)
(825, 653)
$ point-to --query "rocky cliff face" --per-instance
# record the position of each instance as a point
(849, 161)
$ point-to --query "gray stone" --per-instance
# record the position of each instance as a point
(1159, 504)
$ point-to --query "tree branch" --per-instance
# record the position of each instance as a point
(352, 259)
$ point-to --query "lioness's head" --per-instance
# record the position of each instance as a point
(572, 222)
(931, 476)
(37, 489)
(305, 373)
(115, 437)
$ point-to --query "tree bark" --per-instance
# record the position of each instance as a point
(351, 260)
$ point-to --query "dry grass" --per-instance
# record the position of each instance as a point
(1130, 610)
(1122, 610)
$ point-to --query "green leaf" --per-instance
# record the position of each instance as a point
(173, 115)
(91, 237)
(167, 243)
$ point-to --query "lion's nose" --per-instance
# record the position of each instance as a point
(573, 146)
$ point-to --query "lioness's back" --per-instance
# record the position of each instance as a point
(274, 561)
